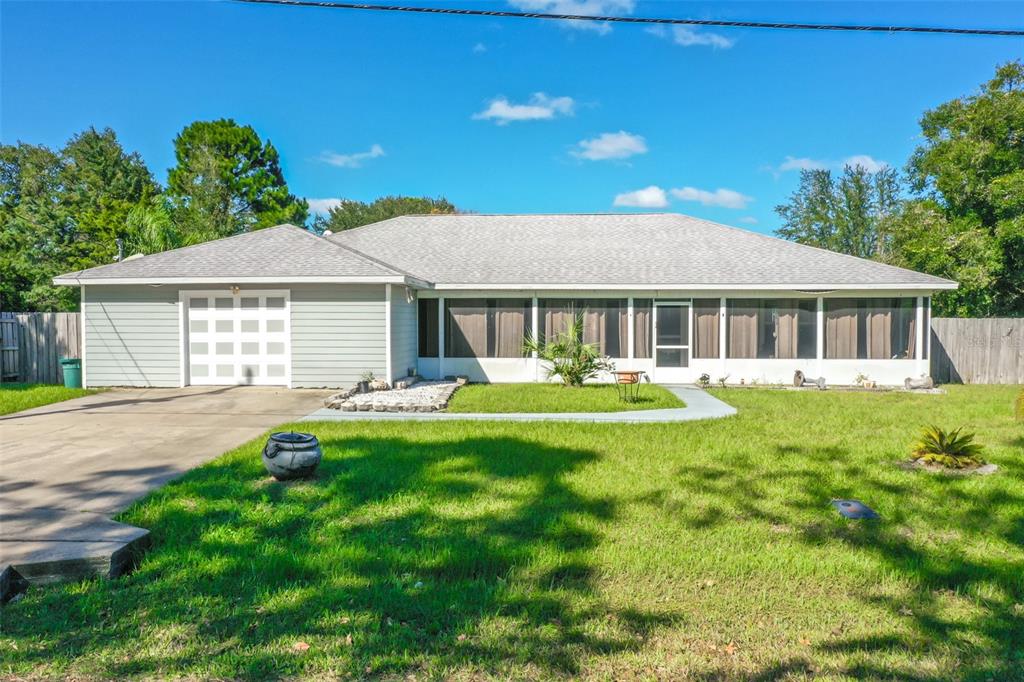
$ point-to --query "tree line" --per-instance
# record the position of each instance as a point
(78, 206)
(956, 210)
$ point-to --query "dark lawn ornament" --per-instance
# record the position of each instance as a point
(922, 383)
(854, 509)
(289, 455)
(799, 379)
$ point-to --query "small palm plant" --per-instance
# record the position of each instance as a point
(951, 449)
(567, 357)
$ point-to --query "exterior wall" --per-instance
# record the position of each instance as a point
(132, 336)
(338, 332)
(747, 371)
(404, 332)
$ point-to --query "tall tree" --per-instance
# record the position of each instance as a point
(228, 181)
(349, 214)
(844, 214)
(63, 211)
(971, 165)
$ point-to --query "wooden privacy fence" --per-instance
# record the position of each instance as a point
(32, 344)
(978, 351)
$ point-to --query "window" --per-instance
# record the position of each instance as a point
(781, 329)
(705, 330)
(486, 327)
(870, 328)
(605, 321)
(427, 319)
(642, 321)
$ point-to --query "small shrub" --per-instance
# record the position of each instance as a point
(704, 381)
(951, 449)
(721, 380)
(567, 357)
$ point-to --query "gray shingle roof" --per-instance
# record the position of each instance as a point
(637, 250)
(275, 252)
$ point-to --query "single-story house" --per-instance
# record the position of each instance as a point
(443, 295)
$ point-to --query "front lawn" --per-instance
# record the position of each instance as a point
(492, 398)
(17, 397)
(469, 550)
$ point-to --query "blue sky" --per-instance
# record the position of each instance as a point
(504, 115)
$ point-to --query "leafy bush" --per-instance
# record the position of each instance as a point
(948, 448)
(567, 357)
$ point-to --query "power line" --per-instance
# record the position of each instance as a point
(640, 20)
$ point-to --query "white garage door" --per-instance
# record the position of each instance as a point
(238, 338)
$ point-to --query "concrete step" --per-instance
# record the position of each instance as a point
(54, 545)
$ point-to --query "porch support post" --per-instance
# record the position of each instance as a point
(535, 333)
(820, 350)
(721, 333)
(919, 337)
(387, 334)
(440, 338)
(631, 341)
(81, 340)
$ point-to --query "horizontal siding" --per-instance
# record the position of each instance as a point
(337, 334)
(131, 336)
(404, 332)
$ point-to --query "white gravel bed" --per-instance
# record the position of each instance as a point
(424, 396)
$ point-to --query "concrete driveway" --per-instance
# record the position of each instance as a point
(99, 453)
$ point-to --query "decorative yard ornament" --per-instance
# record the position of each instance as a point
(289, 455)
(925, 382)
(799, 379)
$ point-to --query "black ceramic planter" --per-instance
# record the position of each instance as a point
(289, 455)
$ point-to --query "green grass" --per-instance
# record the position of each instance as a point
(702, 550)
(493, 398)
(17, 397)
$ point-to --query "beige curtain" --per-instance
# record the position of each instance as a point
(705, 334)
(594, 324)
(623, 320)
(557, 318)
(642, 328)
(840, 331)
(786, 333)
(879, 333)
(911, 346)
(742, 328)
(467, 329)
(509, 330)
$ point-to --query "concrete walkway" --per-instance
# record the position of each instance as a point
(699, 405)
(66, 467)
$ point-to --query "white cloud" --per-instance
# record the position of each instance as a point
(620, 145)
(579, 7)
(726, 198)
(866, 162)
(691, 37)
(351, 160)
(749, 220)
(539, 107)
(323, 206)
(479, 48)
(687, 36)
(801, 163)
(648, 197)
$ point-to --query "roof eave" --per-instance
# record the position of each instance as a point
(72, 280)
(939, 285)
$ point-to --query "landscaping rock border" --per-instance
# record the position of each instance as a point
(983, 470)
(344, 402)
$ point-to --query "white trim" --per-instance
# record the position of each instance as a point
(390, 279)
(928, 334)
(804, 289)
(387, 333)
(183, 338)
(81, 321)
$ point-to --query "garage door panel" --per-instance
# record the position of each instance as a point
(239, 339)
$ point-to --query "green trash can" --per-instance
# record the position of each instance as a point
(72, 372)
